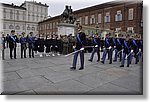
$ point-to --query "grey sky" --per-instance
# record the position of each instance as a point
(56, 7)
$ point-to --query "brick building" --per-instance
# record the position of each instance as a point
(123, 16)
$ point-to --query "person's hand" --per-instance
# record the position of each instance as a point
(131, 51)
(82, 49)
(74, 47)
(96, 45)
(139, 50)
(109, 48)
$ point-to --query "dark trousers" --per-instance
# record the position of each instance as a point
(23, 50)
(109, 52)
(31, 51)
(11, 50)
(93, 52)
(128, 59)
(81, 59)
(118, 52)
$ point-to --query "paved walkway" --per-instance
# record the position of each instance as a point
(51, 75)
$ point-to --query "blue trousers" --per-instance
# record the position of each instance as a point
(116, 53)
(128, 59)
(93, 52)
(81, 59)
(109, 52)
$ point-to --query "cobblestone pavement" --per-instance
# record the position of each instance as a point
(51, 75)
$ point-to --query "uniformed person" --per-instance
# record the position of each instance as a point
(80, 44)
(48, 44)
(107, 48)
(23, 42)
(41, 45)
(2, 42)
(30, 42)
(65, 45)
(13, 43)
(118, 50)
(96, 48)
(126, 51)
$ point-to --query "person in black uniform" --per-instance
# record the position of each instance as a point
(36, 44)
(13, 43)
(48, 44)
(135, 48)
(118, 50)
(113, 47)
(140, 46)
(96, 43)
(41, 45)
(126, 51)
(107, 48)
(80, 43)
(30, 42)
(7, 40)
(23, 45)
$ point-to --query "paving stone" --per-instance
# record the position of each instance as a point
(130, 82)
(109, 89)
(71, 87)
(19, 85)
(96, 79)
(10, 76)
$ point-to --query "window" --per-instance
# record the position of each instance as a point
(118, 29)
(17, 15)
(50, 25)
(29, 7)
(4, 26)
(86, 19)
(37, 18)
(28, 28)
(80, 19)
(33, 28)
(4, 13)
(17, 27)
(11, 27)
(11, 14)
(28, 17)
(130, 30)
(33, 17)
(107, 17)
(118, 16)
(54, 25)
(23, 27)
(130, 14)
(92, 20)
(99, 18)
(24, 15)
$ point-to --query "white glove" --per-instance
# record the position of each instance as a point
(139, 50)
(55, 46)
(38, 46)
(74, 47)
(82, 49)
(131, 51)
(114, 46)
(109, 48)
(96, 45)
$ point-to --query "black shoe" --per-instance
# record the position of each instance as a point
(25, 57)
(29, 56)
(33, 56)
(21, 57)
(110, 62)
(136, 63)
(81, 68)
(11, 58)
(97, 60)
(122, 66)
(72, 68)
(15, 58)
(114, 60)
(102, 62)
(127, 65)
(90, 60)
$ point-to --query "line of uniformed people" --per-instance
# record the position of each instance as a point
(123, 47)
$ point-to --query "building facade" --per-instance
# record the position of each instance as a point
(117, 16)
(23, 18)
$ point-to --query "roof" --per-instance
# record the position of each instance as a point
(34, 2)
(13, 6)
(100, 6)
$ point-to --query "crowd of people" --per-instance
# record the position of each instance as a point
(125, 47)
